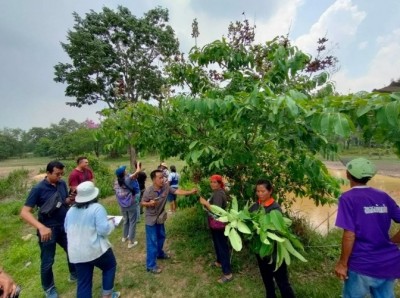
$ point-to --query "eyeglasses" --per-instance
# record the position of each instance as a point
(59, 174)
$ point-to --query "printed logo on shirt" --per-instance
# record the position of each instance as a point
(376, 209)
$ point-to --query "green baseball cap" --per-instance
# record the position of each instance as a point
(361, 168)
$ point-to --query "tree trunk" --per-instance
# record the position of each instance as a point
(132, 156)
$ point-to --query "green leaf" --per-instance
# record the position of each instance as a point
(342, 125)
(265, 250)
(223, 219)
(275, 237)
(293, 251)
(196, 154)
(392, 113)
(235, 205)
(243, 228)
(277, 220)
(227, 230)
(292, 106)
(193, 144)
(218, 210)
(363, 110)
(235, 240)
(288, 221)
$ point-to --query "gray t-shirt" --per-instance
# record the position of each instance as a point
(150, 193)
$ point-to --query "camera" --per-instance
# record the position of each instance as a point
(16, 295)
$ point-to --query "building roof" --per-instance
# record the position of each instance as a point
(393, 87)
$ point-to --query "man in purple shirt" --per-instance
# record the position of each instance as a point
(370, 261)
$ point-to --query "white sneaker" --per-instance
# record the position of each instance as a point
(130, 245)
(124, 239)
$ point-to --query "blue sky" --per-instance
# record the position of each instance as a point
(364, 35)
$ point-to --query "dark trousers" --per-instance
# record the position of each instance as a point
(47, 253)
(222, 250)
(280, 276)
(107, 264)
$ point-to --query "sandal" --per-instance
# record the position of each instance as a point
(225, 279)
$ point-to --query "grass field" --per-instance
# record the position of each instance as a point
(187, 274)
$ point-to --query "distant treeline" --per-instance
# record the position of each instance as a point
(66, 139)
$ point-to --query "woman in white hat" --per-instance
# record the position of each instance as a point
(87, 229)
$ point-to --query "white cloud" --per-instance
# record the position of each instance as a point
(280, 23)
(383, 68)
(362, 45)
(339, 23)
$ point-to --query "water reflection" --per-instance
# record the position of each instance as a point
(322, 218)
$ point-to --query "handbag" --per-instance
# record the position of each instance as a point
(162, 217)
(53, 203)
(215, 224)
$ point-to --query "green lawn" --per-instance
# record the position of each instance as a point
(188, 274)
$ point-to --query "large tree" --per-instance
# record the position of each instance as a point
(117, 57)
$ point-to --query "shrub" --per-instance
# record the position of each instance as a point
(15, 185)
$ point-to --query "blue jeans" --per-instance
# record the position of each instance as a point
(107, 264)
(358, 286)
(222, 250)
(130, 219)
(137, 198)
(155, 238)
(47, 253)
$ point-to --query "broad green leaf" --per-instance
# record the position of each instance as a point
(223, 219)
(286, 255)
(234, 223)
(277, 220)
(342, 125)
(275, 237)
(265, 250)
(293, 251)
(392, 113)
(235, 204)
(243, 228)
(363, 110)
(395, 95)
(193, 144)
(227, 230)
(196, 154)
(279, 255)
(218, 210)
(235, 240)
(292, 106)
(325, 124)
(287, 221)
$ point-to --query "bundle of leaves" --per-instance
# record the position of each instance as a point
(269, 233)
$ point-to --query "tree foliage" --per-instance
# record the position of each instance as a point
(117, 57)
(257, 110)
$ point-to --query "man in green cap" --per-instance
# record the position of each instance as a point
(370, 261)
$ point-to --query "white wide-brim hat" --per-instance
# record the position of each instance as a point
(86, 191)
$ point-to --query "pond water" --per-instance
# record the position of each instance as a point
(322, 218)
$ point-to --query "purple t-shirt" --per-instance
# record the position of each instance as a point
(368, 212)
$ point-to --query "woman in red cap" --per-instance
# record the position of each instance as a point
(218, 198)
